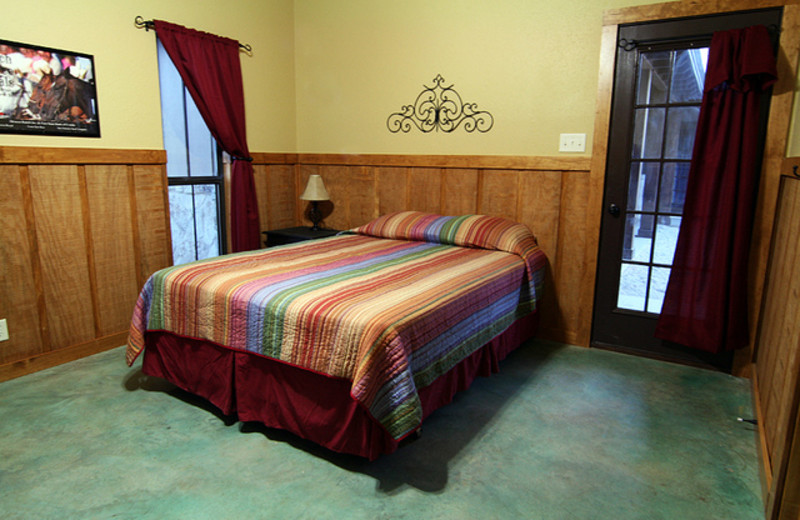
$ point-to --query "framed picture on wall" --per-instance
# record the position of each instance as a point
(45, 91)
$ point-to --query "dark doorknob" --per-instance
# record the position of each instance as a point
(613, 209)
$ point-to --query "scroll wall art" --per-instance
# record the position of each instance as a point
(439, 108)
(45, 91)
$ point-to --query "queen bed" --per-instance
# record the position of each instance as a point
(348, 341)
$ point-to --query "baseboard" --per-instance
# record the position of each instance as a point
(59, 357)
(559, 336)
(764, 463)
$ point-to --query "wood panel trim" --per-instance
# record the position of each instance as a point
(58, 357)
(775, 377)
(89, 240)
(35, 155)
(493, 162)
(763, 454)
(479, 192)
(781, 453)
(666, 10)
(768, 192)
(42, 155)
(137, 245)
(597, 176)
(274, 158)
(472, 162)
(35, 259)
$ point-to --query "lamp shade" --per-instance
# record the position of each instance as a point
(315, 189)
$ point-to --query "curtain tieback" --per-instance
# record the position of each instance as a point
(248, 159)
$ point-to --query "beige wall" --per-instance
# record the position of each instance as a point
(325, 74)
(531, 64)
(794, 131)
(127, 68)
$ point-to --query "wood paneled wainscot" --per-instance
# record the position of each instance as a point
(777, 373)
(82, 229)
(548, 194)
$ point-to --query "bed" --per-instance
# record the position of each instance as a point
(348, 341)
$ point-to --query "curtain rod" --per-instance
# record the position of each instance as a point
(629, 45)
(150, 24)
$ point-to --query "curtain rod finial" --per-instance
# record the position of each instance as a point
(141, 22)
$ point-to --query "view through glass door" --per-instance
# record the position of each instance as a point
(668, 95)
(657, 94)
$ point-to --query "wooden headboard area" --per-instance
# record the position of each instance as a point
(84, 228)
(548, 194)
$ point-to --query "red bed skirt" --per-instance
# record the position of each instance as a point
(311, 405)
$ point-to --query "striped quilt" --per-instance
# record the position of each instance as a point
(389, 306)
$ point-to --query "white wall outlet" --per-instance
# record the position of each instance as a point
(572, 143)
(3, 330)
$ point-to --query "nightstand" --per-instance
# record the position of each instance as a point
(277, 237)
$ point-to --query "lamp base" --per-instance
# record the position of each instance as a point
(315, 215)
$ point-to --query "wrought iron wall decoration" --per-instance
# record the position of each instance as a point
(440, 108)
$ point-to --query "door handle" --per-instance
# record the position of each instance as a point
(614, 210)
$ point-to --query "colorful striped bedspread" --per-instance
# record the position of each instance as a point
(389, 306)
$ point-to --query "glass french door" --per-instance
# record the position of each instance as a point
(667, 103)
(658, 90)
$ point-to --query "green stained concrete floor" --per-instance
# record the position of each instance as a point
(560, 433)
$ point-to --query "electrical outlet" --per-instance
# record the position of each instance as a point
(3, 330)
(572, 143)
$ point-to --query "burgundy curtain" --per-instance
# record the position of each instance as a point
(705, 306)
(210, 69)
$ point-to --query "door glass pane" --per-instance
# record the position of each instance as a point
(673, 187)
(642, 186)
(638, 237)
(653, 78)
(632, 286)
(658, 287)
(669, 89)
(648, 133)
(681, 129)
(689, 75)
(666, 238)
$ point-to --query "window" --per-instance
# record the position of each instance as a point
(194, 171)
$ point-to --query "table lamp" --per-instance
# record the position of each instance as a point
(315, 192)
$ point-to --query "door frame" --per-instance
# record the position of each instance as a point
(633, 330)
(774, 148)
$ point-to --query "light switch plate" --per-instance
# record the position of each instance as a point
(3, 330)
(572, 143)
